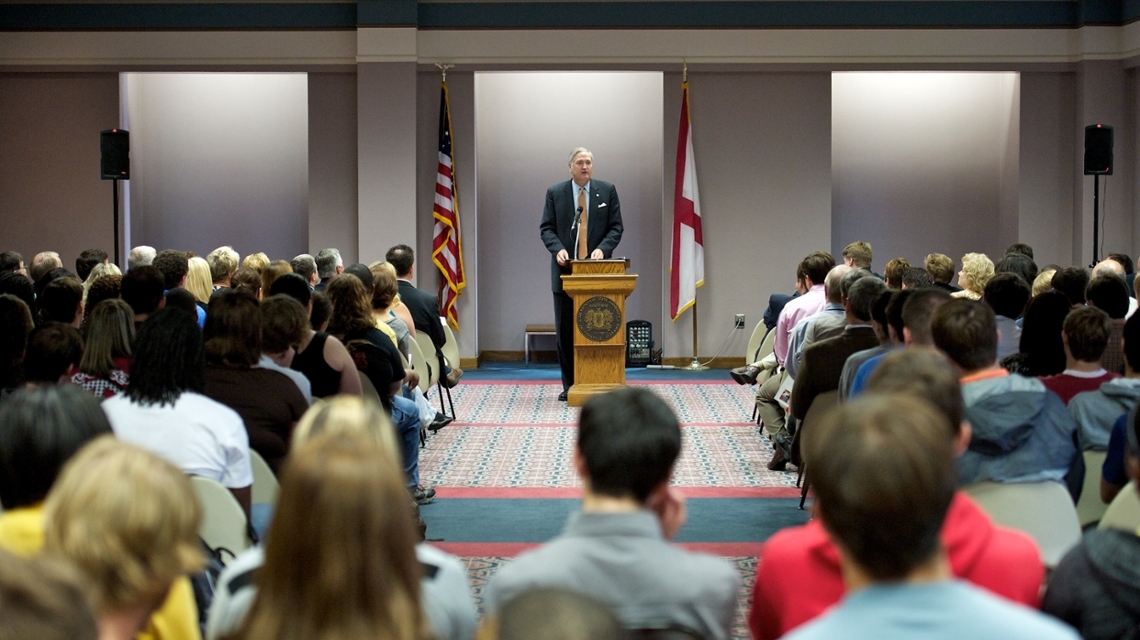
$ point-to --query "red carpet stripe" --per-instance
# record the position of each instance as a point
(572, 425)
(574, 492)
(512, 549)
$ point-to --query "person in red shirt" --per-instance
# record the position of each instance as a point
(799, 572)
(1085, 336)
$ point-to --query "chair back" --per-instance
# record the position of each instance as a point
(428, 370)
(1124, 512)
(450, 347)
(819, 406)
(368, 390)
(265, 485)
(223, 521)
(1090, 508)
(759, 332)
(1042, 510)
(767, 346)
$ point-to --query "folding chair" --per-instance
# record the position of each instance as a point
(1124, 511)
(224, 525)
(1043, 510)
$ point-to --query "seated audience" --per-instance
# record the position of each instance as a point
(1084, 336)
(916, 277)
(1044, 281)
(199, 281)
(1041, 351)
(42, 263)
(54, 353)
(164, 410)
(1072, 282)
(249, 280)
(329, 265)
(1020, 247)
(14, 284)
(62, 301)
(552, 614)
(341, 561)
(1110, 267)
(141, 256)
(1129, 275)
(616, 549)
(445, 597)
(105, 367)
(858, 255)
(977, 269)
(15, 327)
(1018, 263)
(268, 402)
(1096, 411)
(144, 288)
(916, 311)
(283, 327)
(98, 271)
(1096, 587)
(45, 599)
(941, 270)
(894, 271)
(884, 479)
(320, 357)
(827, 322)
(888, 329)
(107, 287)
(424, 309)
(223, 262)
(133, 533)
(1021, 431)
(321, 311)
(174, 266)
(799, 576)
(376, 357)
(1110, 295)
(11, 261)
(256, 261)
(305, 266)
(272, 271)
(1007, 294)
(1114, 475)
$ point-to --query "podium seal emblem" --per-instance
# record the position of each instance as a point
(599, 319)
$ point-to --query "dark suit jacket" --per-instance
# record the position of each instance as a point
(822, 365)
(603, 224)
(425, 312)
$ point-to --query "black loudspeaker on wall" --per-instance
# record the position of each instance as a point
(115, 148)
(1098, 150)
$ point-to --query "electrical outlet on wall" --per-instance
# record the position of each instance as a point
(739, 322)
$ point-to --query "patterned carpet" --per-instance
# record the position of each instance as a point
(505, 482)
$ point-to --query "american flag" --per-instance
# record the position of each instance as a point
(447, 245)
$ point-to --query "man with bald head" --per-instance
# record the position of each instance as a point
(580, 221)
(823, 324)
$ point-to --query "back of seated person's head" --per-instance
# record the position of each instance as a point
(940, 267)
(362, 272)
(283, 324)
(168, 358)
(140, 256)
(61, 301)
(108, 287)
(862, 295)
(341, 561)
(15, 327)
(1108, 267)
(233, 331)
(294, 286)
(223, 263)
(1018, 263)
(1007, 294)
(174, 265)
(553, 614)
(42, 263)
(402, 257)
(256, 261)
(327, 261)
(926, 374)
(385, 288)
(142, 288)
(1132, 343)
(1086, 333)
(894, 271)
(1071, 281)
(51, 276)
(1020, 248)
(892, 312)
(14, 284)
(917, 310)
(628, 441)
(44, 598)
(832, 284)
(41, 428)
(109, 332)
(87, 261)
(916, 277)
(128, 520)
(11, 261)
(348, 414)
(304, 265)
(884, 474)
(849, 278)
(814, 266)
(1109, 293)
(322, 311)
(179, 298)
(966, 331)
(54, 350)
(1044, 281)
(859, 253)
(1041, 328)
(272, 271)
(1124, 260)
(248, 279)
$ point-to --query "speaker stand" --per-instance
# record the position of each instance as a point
(1096, 219)
(115, 216)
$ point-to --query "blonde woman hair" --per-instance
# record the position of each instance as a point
(348, 414)
(198, 280)
(101, 269)
(341, 562)
(378, 267)
(127, 519)
(256, 261)
(978, 270)
(1043, 282)
(110, 331)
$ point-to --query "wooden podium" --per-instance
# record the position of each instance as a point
(599, 289)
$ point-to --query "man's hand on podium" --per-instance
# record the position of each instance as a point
(562, 257)
(597, 255)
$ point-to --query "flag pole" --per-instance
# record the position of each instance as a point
(695, 365)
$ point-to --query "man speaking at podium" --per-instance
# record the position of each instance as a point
(581, 220)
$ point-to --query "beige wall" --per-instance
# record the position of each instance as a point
(52, 197)
(332, 164)
(1048, 165)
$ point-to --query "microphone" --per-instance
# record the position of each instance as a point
(577, 218)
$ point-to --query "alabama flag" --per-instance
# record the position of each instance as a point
(687, 269)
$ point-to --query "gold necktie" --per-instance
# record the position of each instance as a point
(582, 228)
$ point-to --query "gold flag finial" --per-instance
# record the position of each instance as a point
(684, 71)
